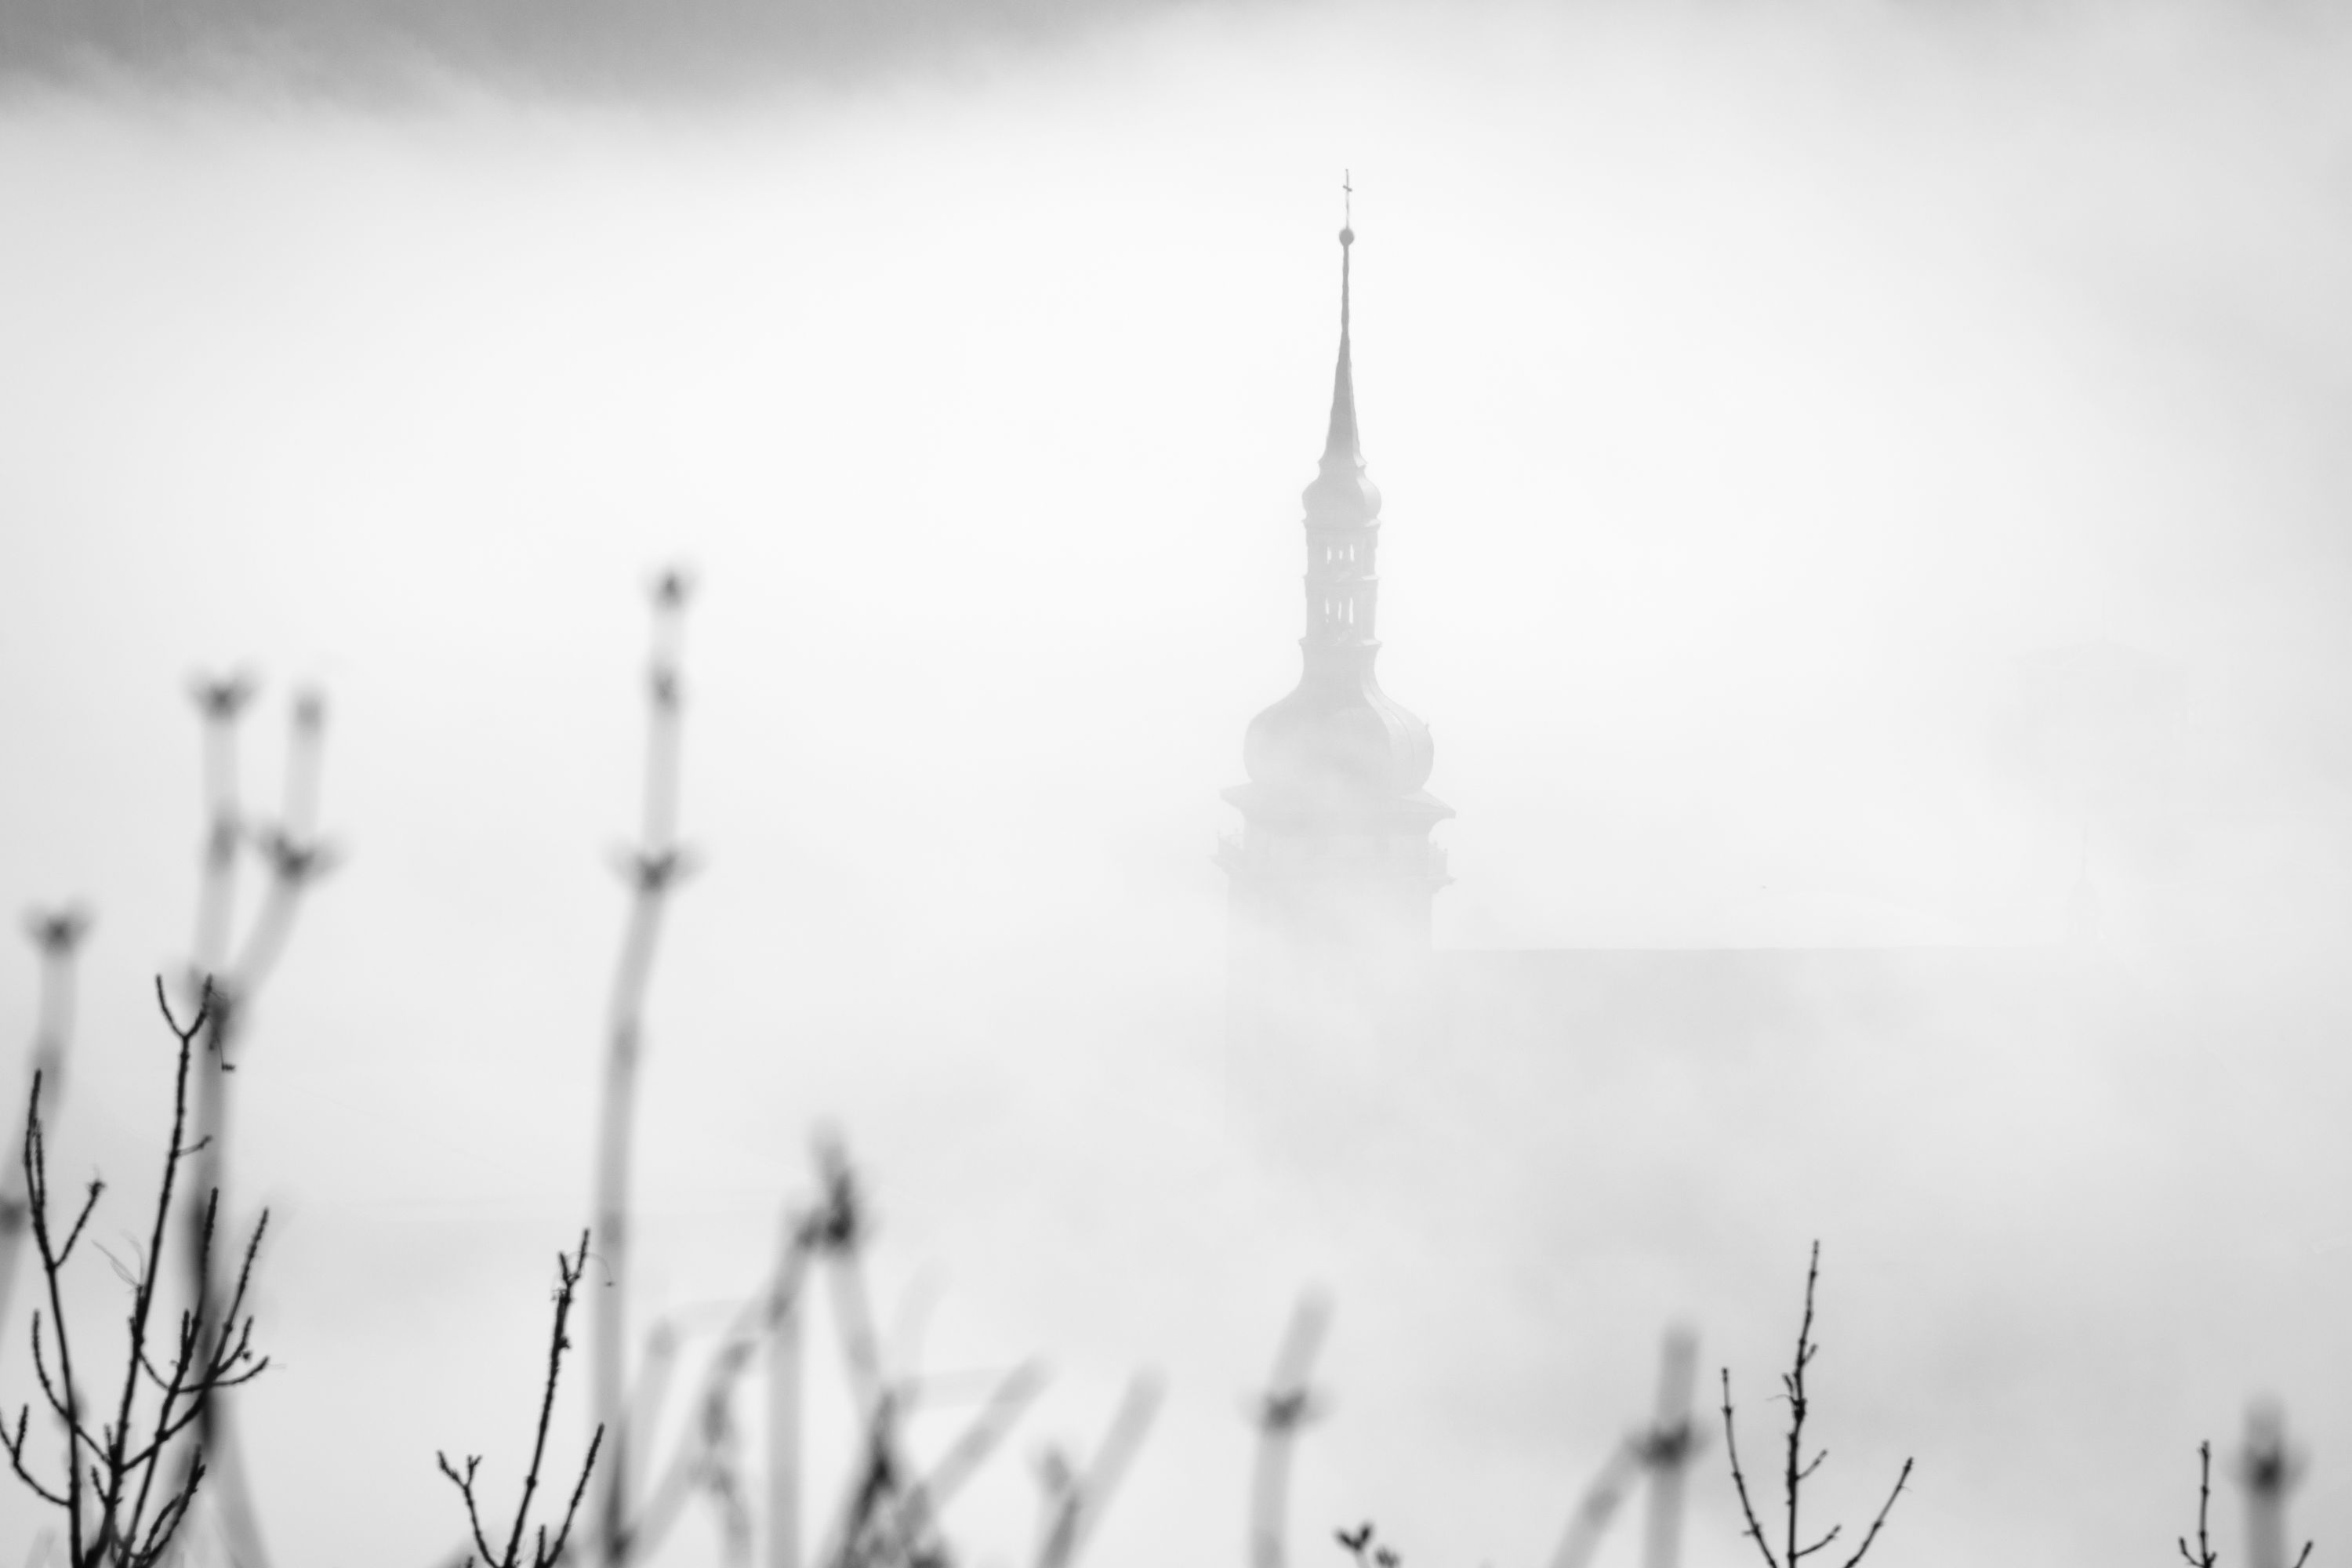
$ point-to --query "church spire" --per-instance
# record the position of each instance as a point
(1342, 445)
(1341, 495)
(1335, 845)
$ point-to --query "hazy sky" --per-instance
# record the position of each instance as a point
(1831, 452)
(679, 53)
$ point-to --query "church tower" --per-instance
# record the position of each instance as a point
(1334, 860)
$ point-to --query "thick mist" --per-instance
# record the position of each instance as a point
(1852, 473)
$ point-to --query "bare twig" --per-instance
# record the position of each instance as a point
(1754, 1530)
(2203, 1557)
(1796, 1469)
(544, 1552)
(116, 1517)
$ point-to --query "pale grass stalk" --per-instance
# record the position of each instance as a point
(57, 934)
(1287, 1405)
(234, 972)
(652, 867)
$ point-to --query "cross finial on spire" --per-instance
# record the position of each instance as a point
(1346, 239)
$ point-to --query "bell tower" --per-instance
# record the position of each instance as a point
(1334, 861)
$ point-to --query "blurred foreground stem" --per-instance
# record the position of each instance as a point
(652, 867)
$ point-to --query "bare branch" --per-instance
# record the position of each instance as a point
(110, 1476)
(88, 1202)
(2203, 1557)
(15, 1444)
(1796, 1470)
(1884, 1509)
(571, 1509)
(464, 1485)
(1738, 1479)
(569, 1268)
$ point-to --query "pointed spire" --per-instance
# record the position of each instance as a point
(1342, 443)
(1341, 493)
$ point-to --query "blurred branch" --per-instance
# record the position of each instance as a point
(220, 703)
(891, 1520)
(690, 1465)
(785, 1400)
(1368, 1551)
(839, 1228)
(57, 934)
(1667, 1448)
(232, 973)
(1287, 1405)
(1597, 1507)
(1658, 1454)
(988, 1428)
(653, 868)
(859, 1537)
(1075, 1500)
(889, 1517)
(2268, 1468)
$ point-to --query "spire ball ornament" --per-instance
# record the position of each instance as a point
(1347, 236)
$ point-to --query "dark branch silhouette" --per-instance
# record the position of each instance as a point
(544, 1552)
(119, 1511)
(1796, 1470)
(2203, 1557)
(2268, 1468)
